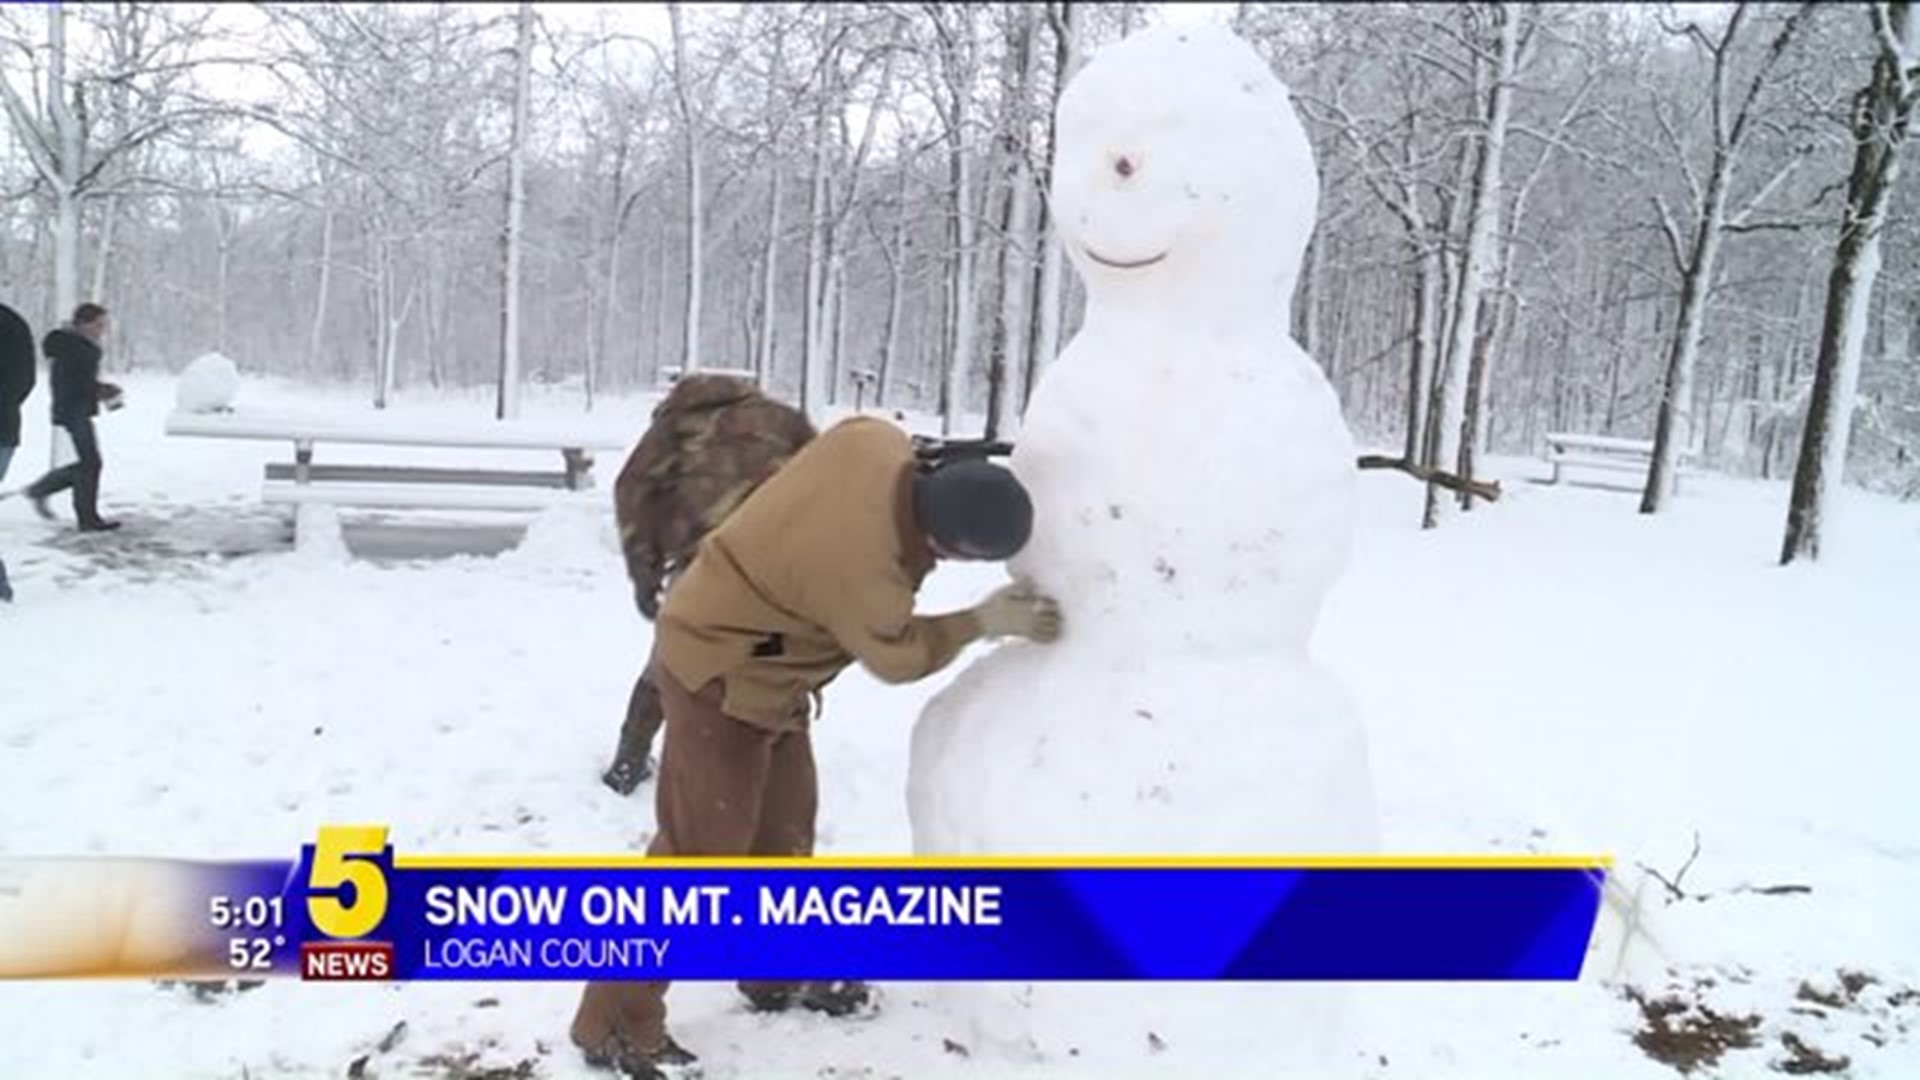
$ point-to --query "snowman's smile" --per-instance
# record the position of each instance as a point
(1121, 264)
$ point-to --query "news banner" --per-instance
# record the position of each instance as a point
(352, 908)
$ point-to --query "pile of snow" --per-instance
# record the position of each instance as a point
(317, 534)
(575, 535)
(209, 384)
(1553, 672)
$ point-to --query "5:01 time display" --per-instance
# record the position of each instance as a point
(249, 913)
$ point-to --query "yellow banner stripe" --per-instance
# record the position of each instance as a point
(1012, 862)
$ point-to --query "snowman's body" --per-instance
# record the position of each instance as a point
(1192, 483)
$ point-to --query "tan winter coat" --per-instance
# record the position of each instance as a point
(818, 568)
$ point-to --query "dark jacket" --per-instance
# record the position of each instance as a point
(711, 442)
(75, 375)
(817, 568)
(17, 372)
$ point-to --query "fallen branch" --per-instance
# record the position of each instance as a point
(1673, 887)
(1775, 890)
(1485, 489)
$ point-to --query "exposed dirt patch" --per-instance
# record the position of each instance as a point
(207, 991)
(467, 1067)
(1805, 1060)
(1845, 994)
(1851, 1011)
(1689, 1035)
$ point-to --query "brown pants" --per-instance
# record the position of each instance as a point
(726, 787)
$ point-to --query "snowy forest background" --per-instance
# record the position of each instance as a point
(1637, 198)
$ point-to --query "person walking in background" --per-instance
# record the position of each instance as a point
(16, 382)
(78, 393)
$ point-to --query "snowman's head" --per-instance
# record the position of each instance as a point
(1179, 156)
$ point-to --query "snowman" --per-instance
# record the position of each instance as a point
(1192, 484)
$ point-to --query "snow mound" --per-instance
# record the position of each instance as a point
(317, 534)
(573, 535)
(209, 384)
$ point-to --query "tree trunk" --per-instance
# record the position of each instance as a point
(382, 308)
(960, 361)
(1673, 427)
(222, 304)
(763, 356)
(1421, 363)
(1045, 341)
(322, 290)
(395, 314)
(610, 292)
(896, 288)
(1882, 116)
(840, 201)
(103, 251)
(1016, 251)
(68, 136)
(660, 277)
(1010, 396)
(835, 318)
(696, 224)
(65, 182)
(507, 406)
(813, 372)
(1476, 259)
(1473, 433)
(769, 280)
(998, 330)
(959, 76)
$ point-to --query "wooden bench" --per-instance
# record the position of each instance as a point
(303, 482)
(1608, 452)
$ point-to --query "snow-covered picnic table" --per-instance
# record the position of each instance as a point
(1605, 452)
(305, 481)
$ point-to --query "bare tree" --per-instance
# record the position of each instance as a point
(690, 123)
(1014, 281)
(815, 376)
(1044, 344)
(628, 113)
(53, 142)
(1494, 76)
(365, 197)
(507, 407)
(1883, 113)
(1696, 258)
(956, 49)
(777, 92)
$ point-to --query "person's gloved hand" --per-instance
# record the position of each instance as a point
(1019, 610)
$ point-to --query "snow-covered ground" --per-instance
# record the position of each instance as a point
(1553, 673)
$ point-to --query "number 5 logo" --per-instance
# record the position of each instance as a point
(343, 859)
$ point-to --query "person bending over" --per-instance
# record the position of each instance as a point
(818, 568)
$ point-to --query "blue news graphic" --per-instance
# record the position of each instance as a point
(351, 908)
(1069, 923)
